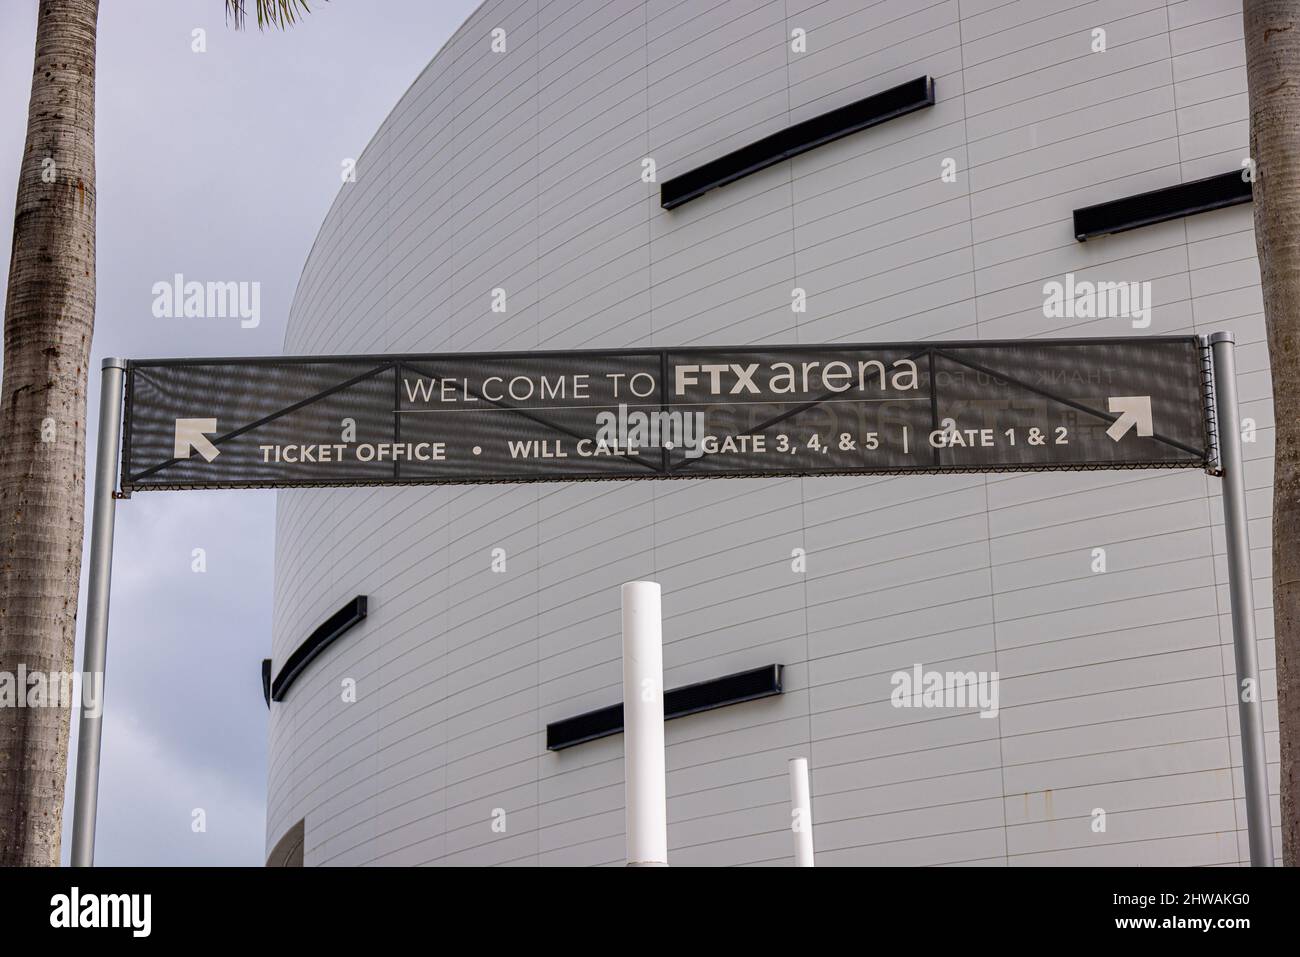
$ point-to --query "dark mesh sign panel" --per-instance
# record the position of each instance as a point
(678, 413)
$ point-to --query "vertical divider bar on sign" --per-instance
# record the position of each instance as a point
(663, 406)
(397, 418)
(934, 404)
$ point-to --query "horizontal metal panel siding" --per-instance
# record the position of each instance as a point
(522, 171)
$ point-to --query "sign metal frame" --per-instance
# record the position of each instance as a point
(1225, 460)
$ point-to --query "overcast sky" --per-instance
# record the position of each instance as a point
(220, 166)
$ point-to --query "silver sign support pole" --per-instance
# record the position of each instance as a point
(1250, 707)
(86, 795)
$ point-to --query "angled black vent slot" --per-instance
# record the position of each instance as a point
(266, 680)
(800, 138)
(703, 696)
(1161, 205)
(334, 627)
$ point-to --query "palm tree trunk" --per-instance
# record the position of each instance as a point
(49, 317)
(1272, 30)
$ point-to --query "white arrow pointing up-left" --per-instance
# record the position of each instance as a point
(1134, 410)
(191, 434)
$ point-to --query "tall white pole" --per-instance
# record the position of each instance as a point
(93, 656)
(801, 822)
(1250, 705)
(643, 726)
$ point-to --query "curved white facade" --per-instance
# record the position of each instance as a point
(522, 171)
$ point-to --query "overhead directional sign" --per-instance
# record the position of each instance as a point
(666, 413)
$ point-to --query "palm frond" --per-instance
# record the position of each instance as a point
(280, 14)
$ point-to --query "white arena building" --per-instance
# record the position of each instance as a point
(506, 204)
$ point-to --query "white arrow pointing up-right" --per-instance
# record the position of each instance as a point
(190, 434)
(1134, 410)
